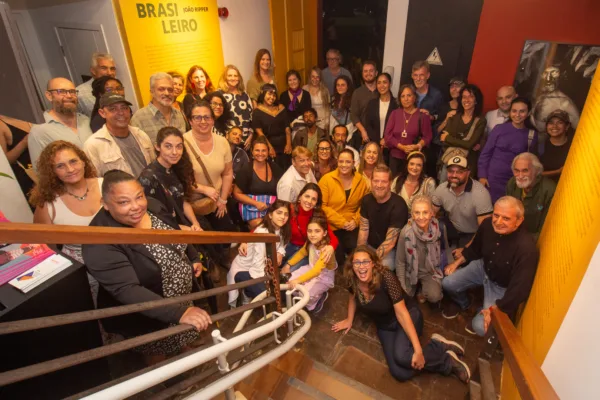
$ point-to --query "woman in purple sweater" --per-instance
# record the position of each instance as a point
(408, 129)
(505, 142)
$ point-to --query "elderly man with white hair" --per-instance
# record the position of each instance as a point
(533, 189)
(160, 111)
(502, 258)
(102, 64)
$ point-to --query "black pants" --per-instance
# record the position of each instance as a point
(284, 161)
(397, 165)
(398, 350)
(347, 243)
(251, 291)
(223, 224)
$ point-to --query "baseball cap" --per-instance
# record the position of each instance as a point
(560, 114)
(108, 99)
(457, 160)
(458, 80)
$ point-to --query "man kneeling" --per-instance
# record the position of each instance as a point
(502, 257)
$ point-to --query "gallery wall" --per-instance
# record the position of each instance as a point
(506, 24)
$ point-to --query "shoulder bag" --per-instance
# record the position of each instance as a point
(201, 204)
(454, 151)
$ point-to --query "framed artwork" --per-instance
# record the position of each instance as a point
(556, 76)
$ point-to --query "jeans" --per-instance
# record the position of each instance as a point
(290, 250)
(473, 275)
(251, 291)
(347, 243)
(389, 260)
(398, 349)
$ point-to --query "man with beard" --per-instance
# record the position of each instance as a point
(382, 215)
(117, 145)
(311, 134)
(533, 189)
(160, 111)
(296, 176)
(340, 137)
(502, 258)
(102, 65)
(551, 99)
(466, 202)
(62, 121)
(362, 96)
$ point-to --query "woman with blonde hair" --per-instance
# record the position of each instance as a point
(197, 86)
(263, 73)
(320, 97)
(231, 84)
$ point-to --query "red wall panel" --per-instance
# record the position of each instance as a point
(506, 24)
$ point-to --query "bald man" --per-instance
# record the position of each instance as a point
(504, 96)
(62, 121)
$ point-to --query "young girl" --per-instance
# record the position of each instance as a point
(318, 276)
(252, 264)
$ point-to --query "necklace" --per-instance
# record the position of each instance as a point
(81, 198)
(406, 121)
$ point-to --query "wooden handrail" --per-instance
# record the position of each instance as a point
(61, 234)
(528, 375)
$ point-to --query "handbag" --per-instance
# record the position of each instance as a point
(249, 212)
(201, 204)
(454, 151)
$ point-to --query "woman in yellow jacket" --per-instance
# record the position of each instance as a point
(343, 190)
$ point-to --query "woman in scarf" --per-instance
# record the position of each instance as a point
(420, 253)
(295, 100)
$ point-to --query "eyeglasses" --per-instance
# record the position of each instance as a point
(214, 104)
(324, 149)
(116, 89)
(363, 263)
(164, 89)
(200, 118)
(64, 92)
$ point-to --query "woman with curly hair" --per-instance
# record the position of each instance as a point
(222, 113)
(376, 291)
(170, 177)
(197, 86)
(68, 191)
(231, 84)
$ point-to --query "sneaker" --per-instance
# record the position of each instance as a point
(451, 310)
(321, 302)
(449, 345)
(469, 328)
(459, 368)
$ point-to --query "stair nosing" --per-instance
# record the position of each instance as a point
(308, 389)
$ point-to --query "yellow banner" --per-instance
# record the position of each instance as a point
(568, 241)
(163, 36)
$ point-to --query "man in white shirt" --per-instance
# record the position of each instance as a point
(297, 176)
(102, 65)
(505, 95)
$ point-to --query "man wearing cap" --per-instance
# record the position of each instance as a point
(466, 202)
(558, 144)
(117, 145)
(533, 189)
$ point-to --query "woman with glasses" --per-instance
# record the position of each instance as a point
(319, 97)
(325, 158)
(231, 84)
(197, 86)
(220, 109)
(376, 292)
(105, 84)
(271, 120)
(213, 168)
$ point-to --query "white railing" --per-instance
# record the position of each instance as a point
(139, 383)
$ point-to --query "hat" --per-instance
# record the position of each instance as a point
(457, 160)
(457, 79)
(560, 114)
(108, 99)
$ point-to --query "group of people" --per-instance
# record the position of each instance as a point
(415, 197)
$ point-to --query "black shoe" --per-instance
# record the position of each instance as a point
(320, 302)
(459, 368)
(449, 345)
(469, 328)
(451, 310)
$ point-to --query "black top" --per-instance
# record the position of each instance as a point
(250, 183)
(240, 159)
(24, 180)
(129, 274)
(554, 157)
(188, 100)
(273, 127)
(381, 307)
(391, 214)
(304, 104)
(97, 122)
(372, 121)
(165, 186)
(510, 261)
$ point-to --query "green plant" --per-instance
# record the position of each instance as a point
(8, 176)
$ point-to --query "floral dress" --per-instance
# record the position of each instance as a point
(177, 274)
(241, 109)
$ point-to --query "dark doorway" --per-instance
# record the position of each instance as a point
(357, 29)
(448, 26)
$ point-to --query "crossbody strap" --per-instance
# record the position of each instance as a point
(473, 126)
(190, 145)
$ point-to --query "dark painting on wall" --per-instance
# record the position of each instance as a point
(556, 76)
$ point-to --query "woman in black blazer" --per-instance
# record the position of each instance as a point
(374, 120)
(130, 274)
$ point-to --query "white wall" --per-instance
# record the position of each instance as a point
(12, 202)
(247, 29)
(43, 20)
(395, 34)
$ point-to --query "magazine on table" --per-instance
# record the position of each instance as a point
(18, 258)
(40, 273)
